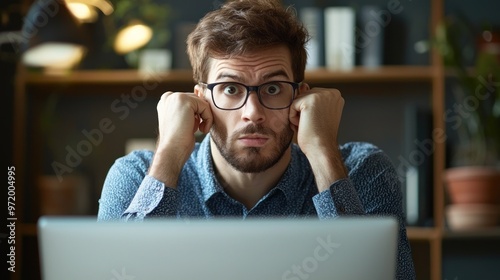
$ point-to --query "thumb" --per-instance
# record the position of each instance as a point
(294, 114)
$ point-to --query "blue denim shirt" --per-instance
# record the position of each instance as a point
(372, 188)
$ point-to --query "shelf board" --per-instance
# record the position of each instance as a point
(493, 232)
(381, 74)
(422, 233)
(109, 77)
(321, 75)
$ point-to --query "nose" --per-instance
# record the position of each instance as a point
(253, 111)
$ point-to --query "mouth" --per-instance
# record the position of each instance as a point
(253, 140)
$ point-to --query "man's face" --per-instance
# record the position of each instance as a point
(253, 138)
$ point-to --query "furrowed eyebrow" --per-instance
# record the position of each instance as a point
(230, 76)
(275, 74)
(265, 77)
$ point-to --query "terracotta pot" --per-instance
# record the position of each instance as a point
(473, 185)
(489, 42)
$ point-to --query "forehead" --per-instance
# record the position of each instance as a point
(253, 66)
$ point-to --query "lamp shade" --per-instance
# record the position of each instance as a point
(51, 22)
(132, 37)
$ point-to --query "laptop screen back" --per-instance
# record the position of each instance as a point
(293, 249)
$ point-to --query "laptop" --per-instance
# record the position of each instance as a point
(218, 249)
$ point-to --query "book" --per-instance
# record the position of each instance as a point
(180, 57)
(417, 166)
(339, 38)
(313, 20)
(370, 36)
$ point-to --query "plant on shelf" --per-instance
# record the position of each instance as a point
(472, 54)
(147, 25)
(151, 13)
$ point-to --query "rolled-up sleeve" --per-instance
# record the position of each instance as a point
(129, 193)
(340, 199)
(153, 198)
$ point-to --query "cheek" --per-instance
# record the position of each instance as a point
(278, 119)
(223, 119)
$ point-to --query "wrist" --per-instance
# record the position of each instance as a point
(328, 167)
(166, 167)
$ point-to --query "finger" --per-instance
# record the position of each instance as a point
(196, 124)
(205, 126)
(205, 116)
(294, 114)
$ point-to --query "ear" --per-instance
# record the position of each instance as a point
(199, 91)
(303, 87)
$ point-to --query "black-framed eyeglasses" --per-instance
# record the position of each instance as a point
(275, 95)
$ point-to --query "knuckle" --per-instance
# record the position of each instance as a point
(166, 95)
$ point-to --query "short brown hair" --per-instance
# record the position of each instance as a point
(246, 25)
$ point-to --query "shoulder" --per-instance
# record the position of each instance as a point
(132, 166)
(367, 163)
(359, 148)
(358, 153)
(370, 169)
(140, 159)
(122, 182)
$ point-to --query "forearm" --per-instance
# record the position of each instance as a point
(166, 167)
(327, 166)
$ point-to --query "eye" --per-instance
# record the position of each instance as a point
(271, 89)
(232, 89)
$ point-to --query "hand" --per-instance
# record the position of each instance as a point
(315, 117)
(180, 115)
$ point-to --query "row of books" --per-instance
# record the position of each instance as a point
(342, 37)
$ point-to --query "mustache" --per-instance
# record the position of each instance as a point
(251, 129)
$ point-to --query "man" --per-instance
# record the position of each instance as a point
(248, 59)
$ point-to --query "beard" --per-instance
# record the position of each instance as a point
(251, 159)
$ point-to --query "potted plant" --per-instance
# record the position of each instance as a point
(156, 17)
(473, 178)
